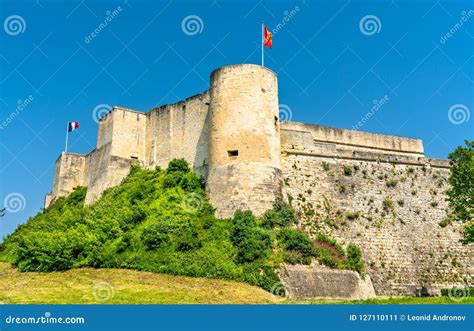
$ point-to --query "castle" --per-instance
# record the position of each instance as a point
(390, 202)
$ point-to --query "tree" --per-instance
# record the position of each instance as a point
(461, 193)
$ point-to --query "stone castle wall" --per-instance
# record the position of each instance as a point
(390, 205)
(180, 130)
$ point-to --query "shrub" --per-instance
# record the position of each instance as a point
(326, 166)
(157, 235)
(391, 183)
(321, 237)
(347, 170)
(342, 189)
(445, 222)
(252, 242)
(387, 204)
(281, 215)
(178, 165)
(354, 257)
(295, 240)
(352, 215)
(256, 245)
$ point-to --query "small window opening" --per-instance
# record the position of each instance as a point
(276, 120)
(134, 157)
(233, 153)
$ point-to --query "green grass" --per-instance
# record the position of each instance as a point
(390, 301)
(95, 286)
(119, 286)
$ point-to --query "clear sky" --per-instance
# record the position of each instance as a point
(59, 61)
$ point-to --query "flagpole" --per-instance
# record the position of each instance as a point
(67, 136)
(262, 39)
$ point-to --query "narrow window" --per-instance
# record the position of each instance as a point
(233, 153)
(134, 157)
(276, 120)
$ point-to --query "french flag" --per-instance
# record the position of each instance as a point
(71, 126)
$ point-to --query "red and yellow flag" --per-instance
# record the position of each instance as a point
(267, 37)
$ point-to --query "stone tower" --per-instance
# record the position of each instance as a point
(244, 151)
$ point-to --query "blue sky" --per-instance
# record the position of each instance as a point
(331, 67)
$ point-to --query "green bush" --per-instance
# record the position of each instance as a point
(354, 256)
(157, 235)
(178, 165)
(251, 241)
(280, 215)
(347, 170)
(141, 224)
(295, 240)
(391, 183)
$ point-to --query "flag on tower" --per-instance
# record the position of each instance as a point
(267, 37)
(72, 126)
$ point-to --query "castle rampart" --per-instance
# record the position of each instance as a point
(377, 191)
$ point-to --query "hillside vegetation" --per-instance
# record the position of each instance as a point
(161, 221)
(119, 286)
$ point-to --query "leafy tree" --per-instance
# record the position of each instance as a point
(461, 193)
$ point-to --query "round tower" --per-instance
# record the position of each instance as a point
(244, 152)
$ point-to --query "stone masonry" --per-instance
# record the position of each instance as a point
(376, 191)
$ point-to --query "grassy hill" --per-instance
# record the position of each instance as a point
(120, 286)
(88, 285)
(161, 221)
